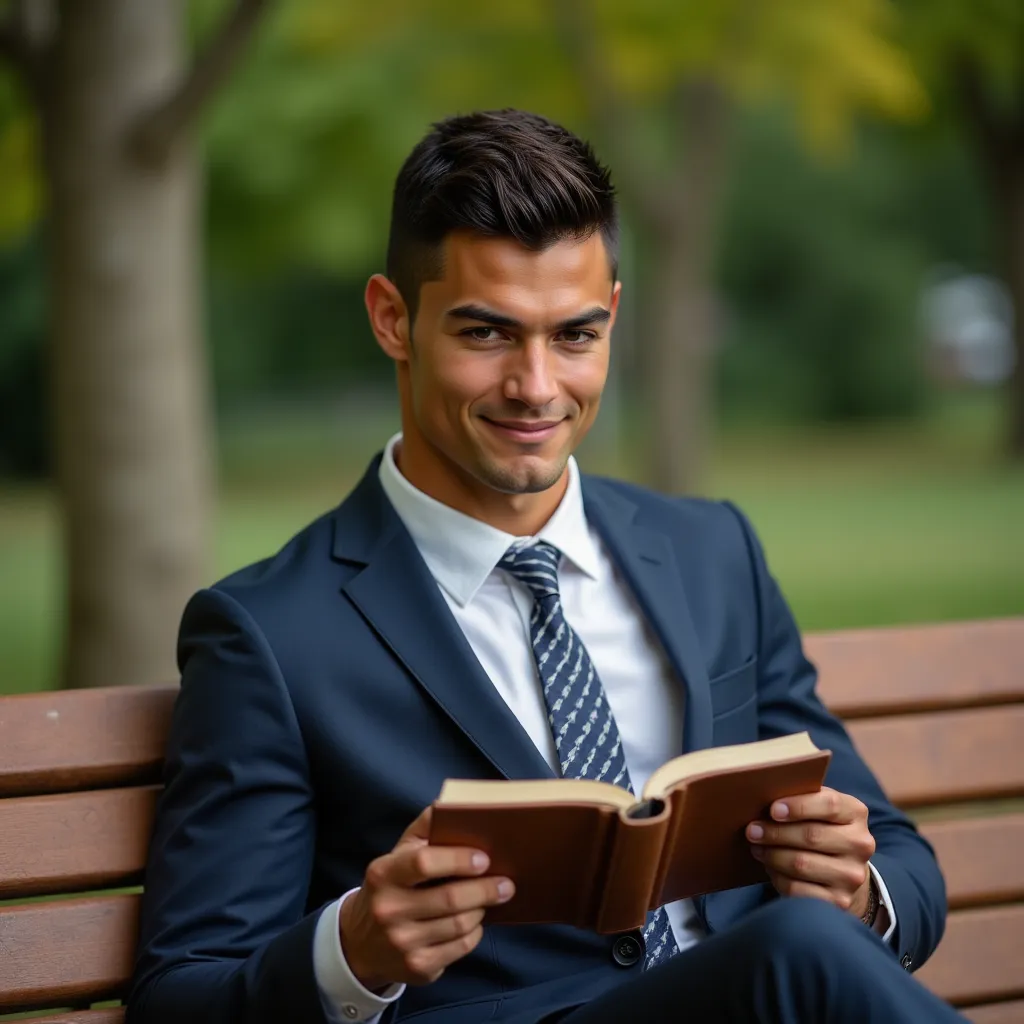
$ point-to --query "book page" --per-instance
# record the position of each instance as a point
(741, 755)
(483, 792)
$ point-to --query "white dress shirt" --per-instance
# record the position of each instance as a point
(493, 610)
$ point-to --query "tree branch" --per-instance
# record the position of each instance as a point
(13, 45)
(26, 35)
(701, 113)
(606, 111)
(1000, 132)
(157, 131)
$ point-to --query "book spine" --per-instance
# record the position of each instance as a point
(632, 869)
(676, 801)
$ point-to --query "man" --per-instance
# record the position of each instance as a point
(328, 691)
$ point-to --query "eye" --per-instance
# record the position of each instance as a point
(483, 333)
(577, 338)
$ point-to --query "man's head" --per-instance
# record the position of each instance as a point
(498, 305)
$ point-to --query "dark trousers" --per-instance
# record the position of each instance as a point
(794, 961)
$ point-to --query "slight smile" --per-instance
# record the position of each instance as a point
(524, 431)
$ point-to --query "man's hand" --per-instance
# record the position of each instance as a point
(399, 929)
(817, 845)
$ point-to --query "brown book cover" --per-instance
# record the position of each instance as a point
(592, 855)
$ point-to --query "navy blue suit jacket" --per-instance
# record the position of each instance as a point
(327, 693)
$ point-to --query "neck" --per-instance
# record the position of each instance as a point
(521, 515)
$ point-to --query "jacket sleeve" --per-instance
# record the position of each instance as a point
(226, 936)
(788, 702)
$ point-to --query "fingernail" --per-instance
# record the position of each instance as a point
(757, 852)
(505, 890)
(755, 832)
(480, 861)
(780, 811)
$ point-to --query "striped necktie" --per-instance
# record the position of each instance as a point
(586, 737)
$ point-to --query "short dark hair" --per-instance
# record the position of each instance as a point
(500, 173)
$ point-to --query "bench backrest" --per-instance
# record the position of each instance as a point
(79, 774)
(937, 711)
(938, 714)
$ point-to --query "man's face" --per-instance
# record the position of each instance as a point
(508, 359)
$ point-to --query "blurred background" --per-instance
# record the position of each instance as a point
(823, 265)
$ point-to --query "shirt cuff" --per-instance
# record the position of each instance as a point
(885, 921)
(345, 1000)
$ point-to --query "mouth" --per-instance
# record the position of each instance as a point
(530, 432)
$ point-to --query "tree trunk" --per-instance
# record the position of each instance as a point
(128, 379)
(674, 209)
(680, 331)
(998, 135)
(677, 361)
(1010, 215)
(1002, 151)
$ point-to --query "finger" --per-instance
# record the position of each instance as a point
(838, 873)
(426, 964)
(454, 898)
(824, 837)
(412, 935)
(786, 886)
(825, 805)
(395, 906)
(414, 864)
(420, 828)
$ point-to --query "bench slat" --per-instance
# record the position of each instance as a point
(979, 958)
(83, 739)
(114, 1015)
(945, 756)
(71, 842)
(920, 668)
(76, 841)
(981, 858)
(997, 1013)
(67, 951)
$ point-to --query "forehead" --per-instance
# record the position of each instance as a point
(508, 277)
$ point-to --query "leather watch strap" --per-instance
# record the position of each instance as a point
(872, 910)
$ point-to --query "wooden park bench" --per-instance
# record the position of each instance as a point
(937, 711)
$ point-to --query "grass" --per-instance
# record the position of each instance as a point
(880, 528)
(862, 527)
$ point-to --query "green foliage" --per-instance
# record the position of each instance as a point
(21, 194)
(820, 259)
(819, 283)
(948, 37)
(23, 423)
(303, 146)
(831, 59)
(305, 143)
(293, 335)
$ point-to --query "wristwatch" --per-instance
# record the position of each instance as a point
(872, 911)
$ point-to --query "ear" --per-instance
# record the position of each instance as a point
(389, 317)
(613, 305)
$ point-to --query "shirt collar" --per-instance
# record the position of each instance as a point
(460, 551)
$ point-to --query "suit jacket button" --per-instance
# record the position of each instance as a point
(628, 949)
(906, 962)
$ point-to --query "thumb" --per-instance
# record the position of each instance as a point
(419, 831)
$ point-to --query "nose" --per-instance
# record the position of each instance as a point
(530, 378)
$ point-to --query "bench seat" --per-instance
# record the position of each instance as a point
(937, 711)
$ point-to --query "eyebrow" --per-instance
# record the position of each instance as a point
(593, 316)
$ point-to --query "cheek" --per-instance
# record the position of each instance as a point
(450, 384)
(584, 379)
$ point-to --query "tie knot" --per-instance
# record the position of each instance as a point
(535, 566)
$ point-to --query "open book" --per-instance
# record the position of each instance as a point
(592, 855)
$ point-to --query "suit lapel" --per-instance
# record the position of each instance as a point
(401, 601)
(646, 559)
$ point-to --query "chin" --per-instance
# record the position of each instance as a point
(522, 476)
